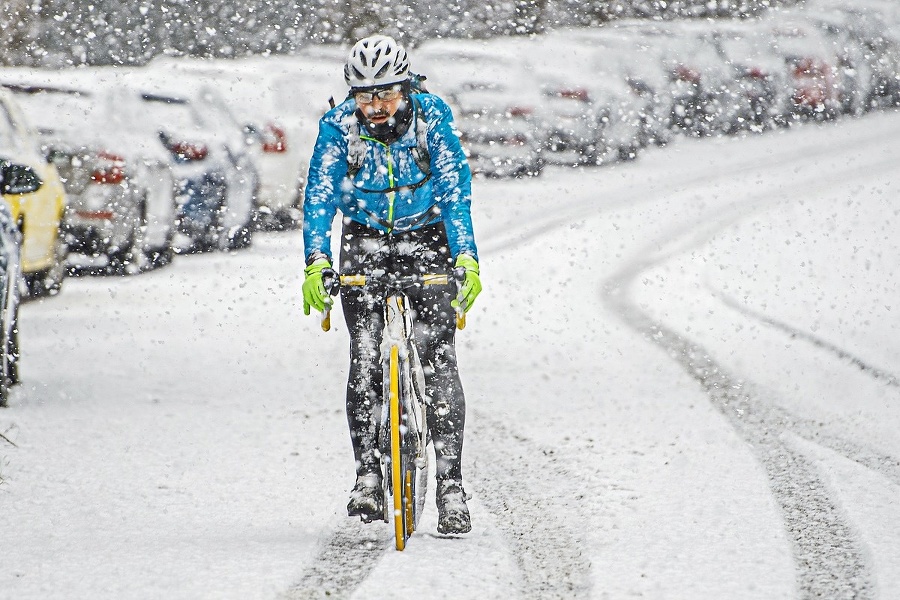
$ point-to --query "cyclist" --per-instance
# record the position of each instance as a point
(390, 160)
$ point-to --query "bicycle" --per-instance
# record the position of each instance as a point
(403, 437)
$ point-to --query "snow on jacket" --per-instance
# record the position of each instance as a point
(446, 196)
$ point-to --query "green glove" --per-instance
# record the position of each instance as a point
(314, 294)
(471, 285)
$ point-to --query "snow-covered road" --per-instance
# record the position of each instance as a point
(683, 381)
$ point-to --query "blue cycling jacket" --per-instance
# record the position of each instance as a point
(387, 194)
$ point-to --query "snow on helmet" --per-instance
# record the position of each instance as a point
(375, 61)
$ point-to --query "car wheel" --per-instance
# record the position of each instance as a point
(49, 281)
(241, 238)
(9, 343)
(627, 153)
(131, 259)
(163, 255)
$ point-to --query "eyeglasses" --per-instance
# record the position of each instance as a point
(388, 95)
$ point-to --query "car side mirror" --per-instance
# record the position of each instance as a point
(18, 179)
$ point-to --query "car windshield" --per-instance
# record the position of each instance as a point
(171, 113)
(743, 48)
(213, 112)
(56, 109)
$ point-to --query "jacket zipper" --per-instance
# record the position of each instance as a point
(390, 166)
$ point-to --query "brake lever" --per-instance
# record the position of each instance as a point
(459, 276)
(332, 284)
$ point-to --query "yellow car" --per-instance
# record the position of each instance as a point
(38, 214)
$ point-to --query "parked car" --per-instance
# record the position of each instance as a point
(855, 66)
(811, 67)
(498, 142)
(120, 192)
(614, 54)
(497, 105)
(15, 180)
(280, 131)
(39, 213)
(613, 58)
(763, 100)
(591, 124)
(702, 85)
(215, 186)
(876, 23)
(590, 118)
(868, 53)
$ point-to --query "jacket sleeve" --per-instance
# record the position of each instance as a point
(327, 173)
(452, 180)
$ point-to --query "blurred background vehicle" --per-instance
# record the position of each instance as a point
(280, 130)
(701, 83)
(762, 100)
(241, 155)
(589, 119)
(876, 23)
(613, 55)
(120, 189)
(215, 180)
(497, 143)
(15, 180)
(497, 104)
(37, 213)
(812, 66)
(867, 49)
(855, 66)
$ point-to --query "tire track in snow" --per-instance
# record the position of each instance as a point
(814, 523)
(830, 558)
(511, 474)
(547, 550)
(883, 464)
(344, 559)
(879, 374)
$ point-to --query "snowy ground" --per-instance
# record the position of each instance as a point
(683, 382)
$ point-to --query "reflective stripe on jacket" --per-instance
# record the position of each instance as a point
(389, 193)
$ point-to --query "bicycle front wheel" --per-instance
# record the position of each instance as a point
(408, 458)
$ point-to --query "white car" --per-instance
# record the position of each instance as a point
(262, 94)
(497, 105)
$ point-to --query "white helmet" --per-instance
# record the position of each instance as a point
(375, 61)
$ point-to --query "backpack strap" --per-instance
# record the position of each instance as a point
(356, 149)
(420, 153)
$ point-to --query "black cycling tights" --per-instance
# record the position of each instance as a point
(364, 250)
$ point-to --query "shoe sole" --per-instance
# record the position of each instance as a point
(457, 528)
(365, 516)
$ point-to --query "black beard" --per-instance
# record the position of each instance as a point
(392, 129)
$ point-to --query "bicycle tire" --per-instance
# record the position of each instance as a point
(397, 462)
